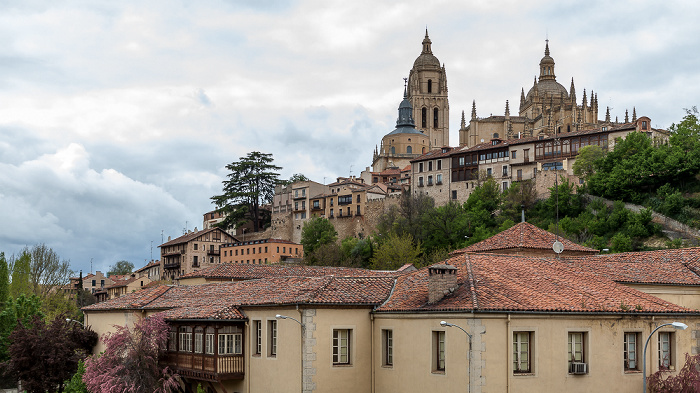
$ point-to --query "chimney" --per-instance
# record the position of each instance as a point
(442, 280)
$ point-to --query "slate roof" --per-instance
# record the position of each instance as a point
(523, 235)
(509, 283)
(239, 271)
(225, 300)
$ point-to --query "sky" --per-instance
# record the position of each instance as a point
(117, 118)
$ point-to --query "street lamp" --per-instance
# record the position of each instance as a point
(73, 320)
(677, 325)
(469, 354)
(279, 316)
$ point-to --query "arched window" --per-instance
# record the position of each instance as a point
(409, 150)
(424, 117)
(495, 135)
(393, 150)
(423, 151)
(435, 118)
(430, 86)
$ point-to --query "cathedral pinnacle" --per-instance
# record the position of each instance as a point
(427, 43)
(507, 109)
(463, 125)
(634, 114)
(522, 97)
(627, 117)
(546, 47)
(474, 110)
(405, 88)
(607, 115)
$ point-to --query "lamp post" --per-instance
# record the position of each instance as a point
(278, 316)
(677, 325)
(73, 320)
(469, 353)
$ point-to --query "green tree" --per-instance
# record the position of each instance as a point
(396, 251)
(586, 160)
(250, 184)
(20, 275)
(355, 252)
(47, 270)
(121, 268)
(446, 227)
(22, 309)
(328, 254)
(317, 232)
(76, 384)
(4, 281)
(406, 218)
(297, 177)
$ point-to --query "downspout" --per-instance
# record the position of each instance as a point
(371, 362)
(249, 352)
(507, 362)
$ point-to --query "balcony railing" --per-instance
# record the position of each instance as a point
(206, 367)
(171, 265)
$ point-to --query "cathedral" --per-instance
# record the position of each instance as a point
(425, 101)
(546, 110)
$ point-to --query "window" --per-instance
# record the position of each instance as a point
(94, 282)
(341, 346)
(488, 172)
(461, 161)
(358, 198)
(209, 343)
(172, 341)
(430, 165)
(195, 246)
(257, 336)
(630, 352)
(303, 204)
(296, 193)
(303, 215)
(296, 205)
(358, 210)
(272, 338)
(505, 170)
(666, 341)
(576, 349)
(505, 186)
(185, 339)
(345, 200)
(393, 150)
(424, 117)
(331, 216)
(303, 192)
(195, 261)
(512, 153)
(430, 180)
(435, 118)
(644, 125)
(438, 179)
(420, 167)
(387, 347)
(454, 194)
(230, 344)
(430, 86)
(409, 150)
(316, 204)
(439, 165)
(198, 341)
(521, 352)
(438, 351)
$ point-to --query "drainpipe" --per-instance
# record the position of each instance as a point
(371, 319)
(507, 362)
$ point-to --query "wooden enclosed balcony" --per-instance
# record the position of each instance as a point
(206, 367)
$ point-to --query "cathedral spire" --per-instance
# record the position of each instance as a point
(522, 97)
(607, 115)
(474, 110)
(463, 125)
(547, 65)
(426, 44)
(546, 46)
(507, 109)
(627, 117)
(634, 114)
(572, 91)
(585, 100)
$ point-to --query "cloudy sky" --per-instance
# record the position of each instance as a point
(118, 117)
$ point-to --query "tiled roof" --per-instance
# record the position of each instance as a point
(189, 236)
(222, 299)
(240, 271)
(148, 266)
(668, 267)
(502, 283)
(435, 153)
(523, 235)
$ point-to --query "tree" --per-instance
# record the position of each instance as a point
(47, 270)
(297, 177)
(328, 254)
(686, 381)
(22, 310)
(317, 232)
(395, 252)
(20, 275)
(76, 384)
(446, 227)
(44, 356)
(251, 183)
(4, 281)
(129, 363)
(586, 160)
(121, 268)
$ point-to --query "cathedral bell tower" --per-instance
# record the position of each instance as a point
(427, 92)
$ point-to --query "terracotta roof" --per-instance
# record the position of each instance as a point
(668, 267)
(240, 271)
(149, 265)
(222, 300)
(523, 235)
(502, 283)
(189, 236)
(435, 153)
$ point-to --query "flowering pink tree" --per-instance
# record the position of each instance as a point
(687, 380)
(130, 362)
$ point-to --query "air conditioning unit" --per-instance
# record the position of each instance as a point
(578, 368)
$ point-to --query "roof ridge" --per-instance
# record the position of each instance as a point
(472, 287)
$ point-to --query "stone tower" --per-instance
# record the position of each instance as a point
(427, 92)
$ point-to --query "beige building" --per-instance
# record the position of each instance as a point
(263, 251)
(536, 323)
(152, 270)
(126, 284)
(192, 251)
(430, 175)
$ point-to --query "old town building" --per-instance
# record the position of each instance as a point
(264, 251)
(192, 251)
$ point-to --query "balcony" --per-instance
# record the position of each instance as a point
(213, 368)
(212, 251)
(171, 253)
(171, 265)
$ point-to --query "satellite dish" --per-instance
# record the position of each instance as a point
(558, 247)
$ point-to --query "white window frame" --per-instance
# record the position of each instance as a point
(198, 342)
(209, 347)
(341, 347)
(630, 351)
(522, 346)
(230, 343)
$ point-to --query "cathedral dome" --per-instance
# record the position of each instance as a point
(548, 87)
(426, 57)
